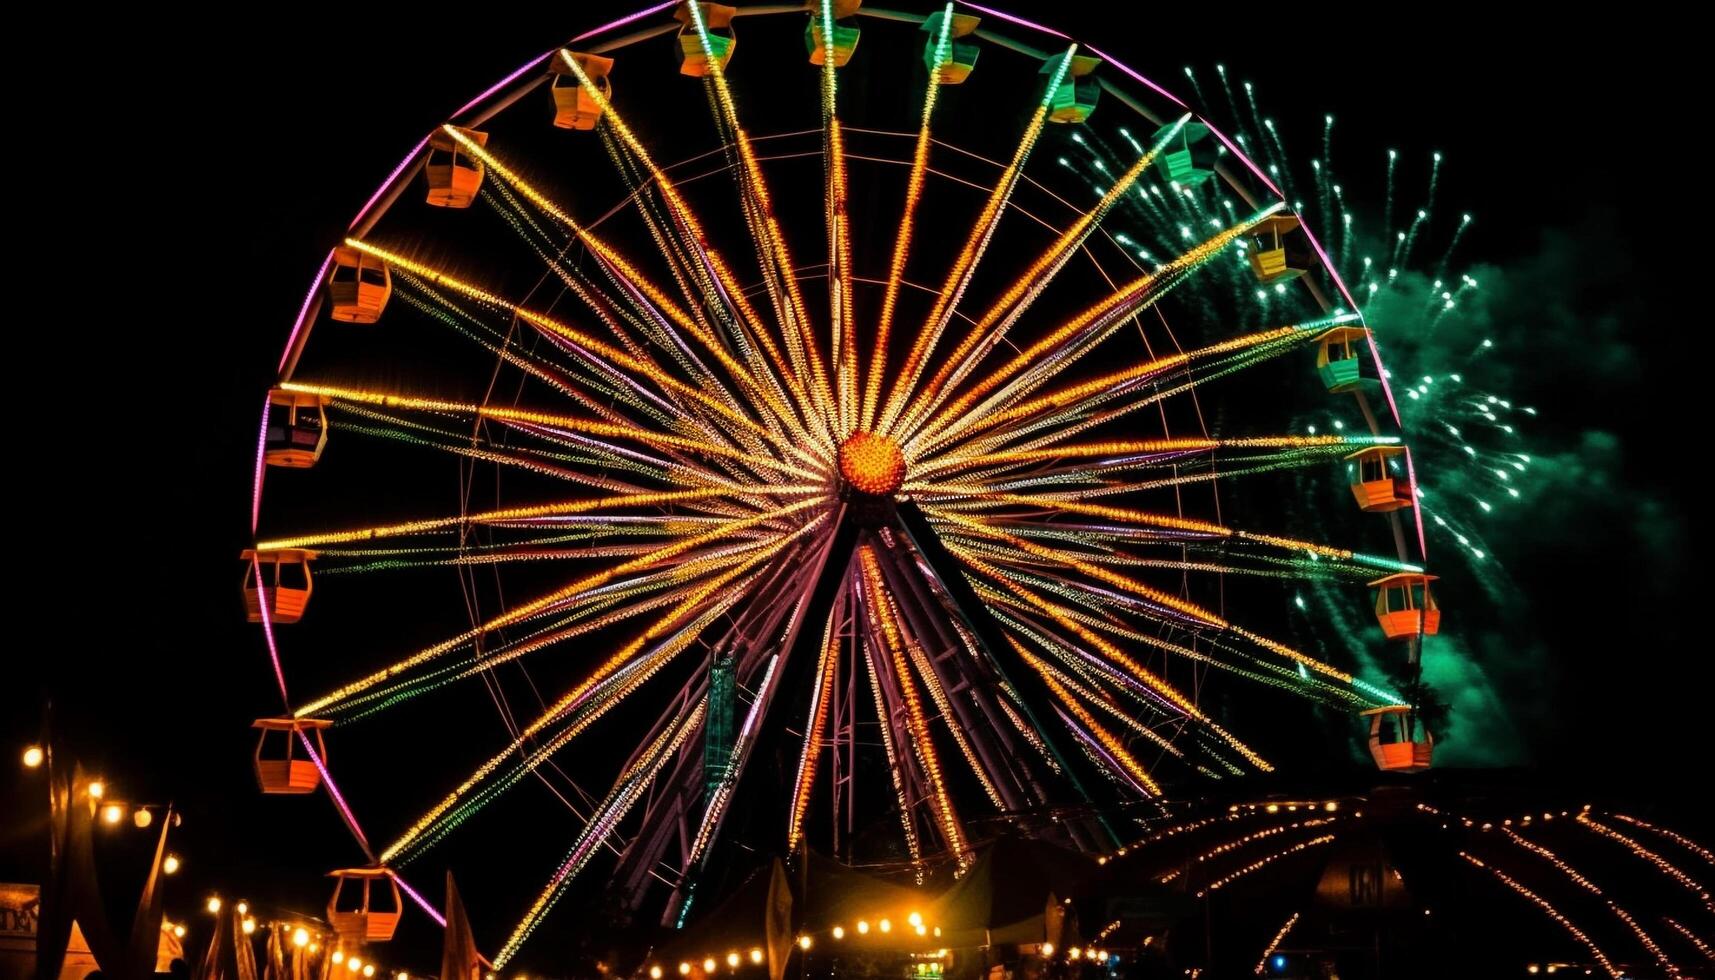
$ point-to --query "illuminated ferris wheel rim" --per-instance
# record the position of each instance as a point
(515, 85)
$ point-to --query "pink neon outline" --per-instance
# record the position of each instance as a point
(388, 182)
(334, 794)
(1122, 66)
(304, 310)
(1416, 511)
(1003, 15)
(261, 467)
(627, 19)
(508, 80)
(268, 630)
(422, 902)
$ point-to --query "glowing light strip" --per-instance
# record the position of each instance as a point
(1134, 770)
(1680, 839)
(1104, 316)
(886, 616)
(1662, 864)
(1262, 862)
(902, 243)
(304, 312)
(821, 696)
(556, 509)
(527, 610)
(1274, 944)
(965, 265)
(1024, 290)
(571, 423)
(1552, 912)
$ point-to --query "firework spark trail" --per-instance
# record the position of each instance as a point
(965, 265)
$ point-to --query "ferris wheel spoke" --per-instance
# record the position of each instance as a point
(884, 618)
(614, 680)
(585, 427)
(992, 327)
(844, 343)
(775, 259)
(594, 350)
(815, 725)
(1070, 341)
(1074, 403)
(649, 300)
(965, 264)
(907, 223)
(1124, 764)
(603, 823)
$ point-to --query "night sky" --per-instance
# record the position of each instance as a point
(175, 199)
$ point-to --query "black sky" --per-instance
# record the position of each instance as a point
(172, 196)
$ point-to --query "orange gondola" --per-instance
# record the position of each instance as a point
(1405, 607)
(717, 20)
(297, 429)
(278, 580)
(286, 768)
(574, 106)
(1377, 482)
(360, 912)
(1398, 741)
(358, 286)
(454, 175)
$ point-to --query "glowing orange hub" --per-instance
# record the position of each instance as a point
(872, 464)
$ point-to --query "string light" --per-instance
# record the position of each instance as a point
(1666, 867)
(33, 756)
(112, 813)
(1274, 944)
(97, 789)
(1229, 878)
(214, 905)
(1552, 912)
(171, 864)
(300, 936)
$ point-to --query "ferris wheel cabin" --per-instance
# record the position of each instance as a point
(1279, 251)
(844, 42)
(282, 766)
(358, 286)
(1377, 481)
(717, 19)
(1337, 361)
(277, 581)
(1404, 606)
(1398, 741)
(454, 175)
(961, 55)
(1075, 97)
(574, 106)
(297, 429)
(1188, 159)
(365, 905)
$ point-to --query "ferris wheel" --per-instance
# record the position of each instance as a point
(808, 442)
